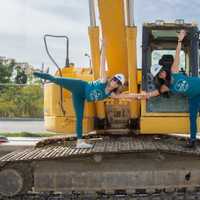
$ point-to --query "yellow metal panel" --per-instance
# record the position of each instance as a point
(165, 125)
(77, 73)
(132, 58)
(67, 125)
(100, 108)
(95, 52)
(69, 70)
(52, 102)
(113, 29)
(139, 76)
(132, 69)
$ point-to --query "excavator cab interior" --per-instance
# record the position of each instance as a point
(159, 44)
(158, 47)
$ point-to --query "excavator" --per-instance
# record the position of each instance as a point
(138, 151)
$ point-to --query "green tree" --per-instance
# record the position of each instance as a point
(6, 71)
(21, 77)
(19, 100)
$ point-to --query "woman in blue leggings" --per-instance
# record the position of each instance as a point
(90, 91)
(176, 82)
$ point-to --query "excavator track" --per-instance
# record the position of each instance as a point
(180, 194)
(65, 147)
(117, 167)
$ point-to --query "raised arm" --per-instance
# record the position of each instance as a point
(175, 65)
(103, 74)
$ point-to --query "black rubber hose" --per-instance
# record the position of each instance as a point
(54, 62)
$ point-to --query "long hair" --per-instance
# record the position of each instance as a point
(166, 61)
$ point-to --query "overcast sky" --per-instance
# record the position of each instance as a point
(24, 22)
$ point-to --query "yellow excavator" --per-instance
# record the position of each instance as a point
(137, 153)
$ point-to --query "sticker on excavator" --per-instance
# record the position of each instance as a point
(118, 116)
(171, 104)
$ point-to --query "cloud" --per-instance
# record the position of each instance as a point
(67, 9)
(24, 22)
(168, 10)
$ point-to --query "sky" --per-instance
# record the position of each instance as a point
(24, 23)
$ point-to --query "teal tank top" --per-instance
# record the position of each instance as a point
(95, 91)
(186, 85)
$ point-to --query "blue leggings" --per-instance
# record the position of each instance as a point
(194, 106)
(77, 88)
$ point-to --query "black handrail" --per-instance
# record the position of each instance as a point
(54, 62)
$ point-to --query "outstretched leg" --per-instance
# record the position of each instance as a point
(68, 83)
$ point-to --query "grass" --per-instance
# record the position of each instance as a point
(28, 134)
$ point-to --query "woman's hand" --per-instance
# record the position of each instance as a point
(143, 95)
(182, 35)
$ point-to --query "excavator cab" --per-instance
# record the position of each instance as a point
(158, 47)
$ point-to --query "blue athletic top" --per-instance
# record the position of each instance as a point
(92, 91)
(95, 91)
(186, 85)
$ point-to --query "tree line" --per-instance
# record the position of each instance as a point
(21, 95)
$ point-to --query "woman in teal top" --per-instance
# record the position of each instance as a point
(89, 91)
(179, 83)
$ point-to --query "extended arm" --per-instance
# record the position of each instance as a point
(142, 95)
(147, 95)
(155, 93)
(174, 67)
(120, 96)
